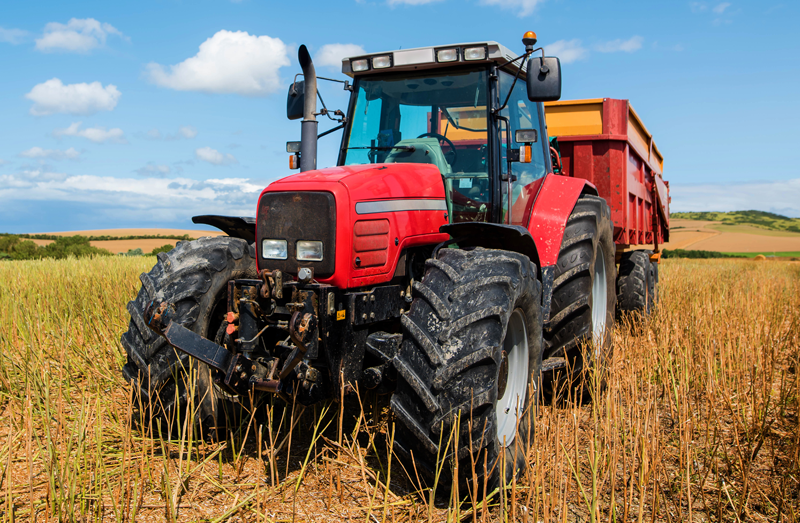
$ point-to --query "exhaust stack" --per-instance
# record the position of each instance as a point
(308, 130)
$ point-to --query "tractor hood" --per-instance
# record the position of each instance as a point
(373, 181)
(363, 216)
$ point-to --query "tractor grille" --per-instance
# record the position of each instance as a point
(294, 216)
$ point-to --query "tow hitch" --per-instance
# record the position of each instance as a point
(241, 373)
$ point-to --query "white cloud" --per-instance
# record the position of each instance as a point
(132, 199)
(12, 36)
(53, 97)
(228, 62)
(53, 154)
(630, 45)
(522, 7)
(207, 154)
(331, 55)
(95, 134)
(720, 8)
(152, 169)
(77, 35)
(187, 131)
(567, 50)
(698, 7)
(782, 197)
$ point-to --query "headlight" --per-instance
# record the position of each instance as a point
(447, 55)
(309, 251)
(475, 53)
(359, 65)
(274, 249)
(382, 62)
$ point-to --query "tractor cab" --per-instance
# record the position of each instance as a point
(463, 108)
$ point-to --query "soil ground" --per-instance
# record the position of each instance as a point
(714, 236)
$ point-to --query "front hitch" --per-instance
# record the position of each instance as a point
(241, 373)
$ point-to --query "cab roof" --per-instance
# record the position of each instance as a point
(421, 58)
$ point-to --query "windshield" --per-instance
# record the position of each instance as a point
(439, 119)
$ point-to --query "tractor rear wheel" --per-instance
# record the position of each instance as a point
(193, 276)
(636, 284)
(583, 303)
(468, 368)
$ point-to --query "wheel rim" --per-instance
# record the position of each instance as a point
(599, 297)
(511, 403)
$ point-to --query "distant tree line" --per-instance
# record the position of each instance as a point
(680, 253)
(18, 247)
(107, 238)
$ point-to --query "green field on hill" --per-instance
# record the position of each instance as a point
(761, 219)
(786, 254)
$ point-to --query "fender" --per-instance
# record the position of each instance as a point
(513, 238)
(554, 203)
(243, 227)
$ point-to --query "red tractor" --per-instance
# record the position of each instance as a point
(450, 259)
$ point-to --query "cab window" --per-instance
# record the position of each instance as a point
(521, 114)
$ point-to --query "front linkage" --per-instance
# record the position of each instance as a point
(298, 339)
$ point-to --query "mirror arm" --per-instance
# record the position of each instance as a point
(329, 131)
(543, 69)
(347, 86)
(497, 111)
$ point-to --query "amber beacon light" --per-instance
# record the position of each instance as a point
(529, 40)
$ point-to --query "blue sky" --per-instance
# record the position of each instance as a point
(142, 114)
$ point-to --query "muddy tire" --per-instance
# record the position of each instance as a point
(194, 277)
(471, 355)
(636, 284)
(583, 303)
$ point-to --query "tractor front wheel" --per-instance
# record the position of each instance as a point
(468, 369)
(193, 276)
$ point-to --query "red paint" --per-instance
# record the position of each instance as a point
(357, 183)
(623, 177)
(552, 207)
(370, 243)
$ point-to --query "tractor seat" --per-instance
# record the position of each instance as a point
(427, 150)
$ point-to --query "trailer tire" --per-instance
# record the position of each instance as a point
(636, 284)
(583, 302)
(654, 282)
(193, 276)
(472, 337)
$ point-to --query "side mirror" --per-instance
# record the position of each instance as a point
(295, 101)
(544, 79)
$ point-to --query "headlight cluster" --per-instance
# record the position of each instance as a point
(278, 250)
(451, 54)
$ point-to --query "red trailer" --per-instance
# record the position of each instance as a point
(604, 141)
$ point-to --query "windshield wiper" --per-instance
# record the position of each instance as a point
(409, 148)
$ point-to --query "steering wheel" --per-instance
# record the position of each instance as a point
(452, 152)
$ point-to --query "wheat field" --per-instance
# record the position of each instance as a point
(698, 420)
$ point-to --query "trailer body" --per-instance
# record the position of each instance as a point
(604, 141)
